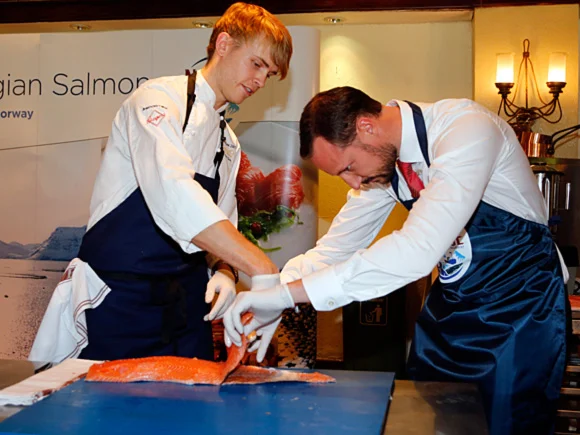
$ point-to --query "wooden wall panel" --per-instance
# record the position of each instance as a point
(31, 11)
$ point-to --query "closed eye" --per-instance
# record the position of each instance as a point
(347, 169)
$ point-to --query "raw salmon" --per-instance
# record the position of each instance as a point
(193, 371)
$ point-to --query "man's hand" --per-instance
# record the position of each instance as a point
(223, 285)
(267, 306)
(265, 334)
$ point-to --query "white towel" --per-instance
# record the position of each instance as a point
(42, 384)
(63, 330)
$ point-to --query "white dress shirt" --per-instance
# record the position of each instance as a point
(147, 149)
(474, 156)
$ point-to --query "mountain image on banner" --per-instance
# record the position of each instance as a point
(62, 245)
(16, 250)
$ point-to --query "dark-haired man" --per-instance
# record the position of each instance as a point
(496, 314)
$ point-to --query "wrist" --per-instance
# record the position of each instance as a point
(262, 282)
(264, 268)
(287, 296)
(227, 270)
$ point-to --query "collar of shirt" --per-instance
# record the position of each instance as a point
(205, 92)
(410, 151)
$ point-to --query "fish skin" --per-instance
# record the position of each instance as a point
(250, 375)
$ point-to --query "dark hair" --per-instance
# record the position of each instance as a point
(332, 115)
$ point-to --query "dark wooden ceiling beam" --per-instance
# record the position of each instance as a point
(36, 11)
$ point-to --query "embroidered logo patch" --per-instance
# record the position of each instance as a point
(229, 150)
(155, 118)
(456, 260)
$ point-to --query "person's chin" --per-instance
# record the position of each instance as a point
(239, 98)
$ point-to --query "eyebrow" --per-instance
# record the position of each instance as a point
(267, 65)
(264, 61)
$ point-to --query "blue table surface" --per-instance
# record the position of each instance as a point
(356, 404)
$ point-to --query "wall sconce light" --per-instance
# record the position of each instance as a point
(80, 27)
(202, 24)
(521, 118)
(334, 20)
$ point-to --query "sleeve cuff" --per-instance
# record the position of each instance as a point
(188, 246)
(325, 290)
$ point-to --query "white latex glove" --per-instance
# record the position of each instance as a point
(266, 305)
(266, 333)
(223, 285)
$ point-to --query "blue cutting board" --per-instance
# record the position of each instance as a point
(356, 404)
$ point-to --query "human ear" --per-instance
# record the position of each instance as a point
(365, 126)
(222, 43)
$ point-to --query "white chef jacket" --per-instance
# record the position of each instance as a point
(474, 154)
(147, 149)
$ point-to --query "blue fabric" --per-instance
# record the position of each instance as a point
(496, 316)
(501, 325)
(157, 299)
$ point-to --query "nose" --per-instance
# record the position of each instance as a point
(260, 79)
(354, 181)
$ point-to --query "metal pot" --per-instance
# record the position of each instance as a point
(536, 144)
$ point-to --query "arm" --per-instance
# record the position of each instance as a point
(178, 204)
(230, 247)
(353, 228)
(464, 158)
(223, 240)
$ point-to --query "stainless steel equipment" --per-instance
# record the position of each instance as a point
(559, 181)
(549, 181)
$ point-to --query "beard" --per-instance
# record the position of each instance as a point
(386, 154)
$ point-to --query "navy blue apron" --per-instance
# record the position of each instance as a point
(157, 299)
(496, 316)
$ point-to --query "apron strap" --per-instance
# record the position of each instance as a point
(190, 96)
(219, 156)
(421, 131)
(217, 161)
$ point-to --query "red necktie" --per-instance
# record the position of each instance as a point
(413, 181)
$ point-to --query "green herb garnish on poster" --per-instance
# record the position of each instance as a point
(263, 223)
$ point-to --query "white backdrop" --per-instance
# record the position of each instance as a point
(69, 86)
(58, 96)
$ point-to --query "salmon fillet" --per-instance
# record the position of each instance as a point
(193, 371)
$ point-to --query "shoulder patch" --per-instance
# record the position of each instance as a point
(155, 117)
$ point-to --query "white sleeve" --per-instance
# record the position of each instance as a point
(465, 154)
(353, 228)
(164, 170)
